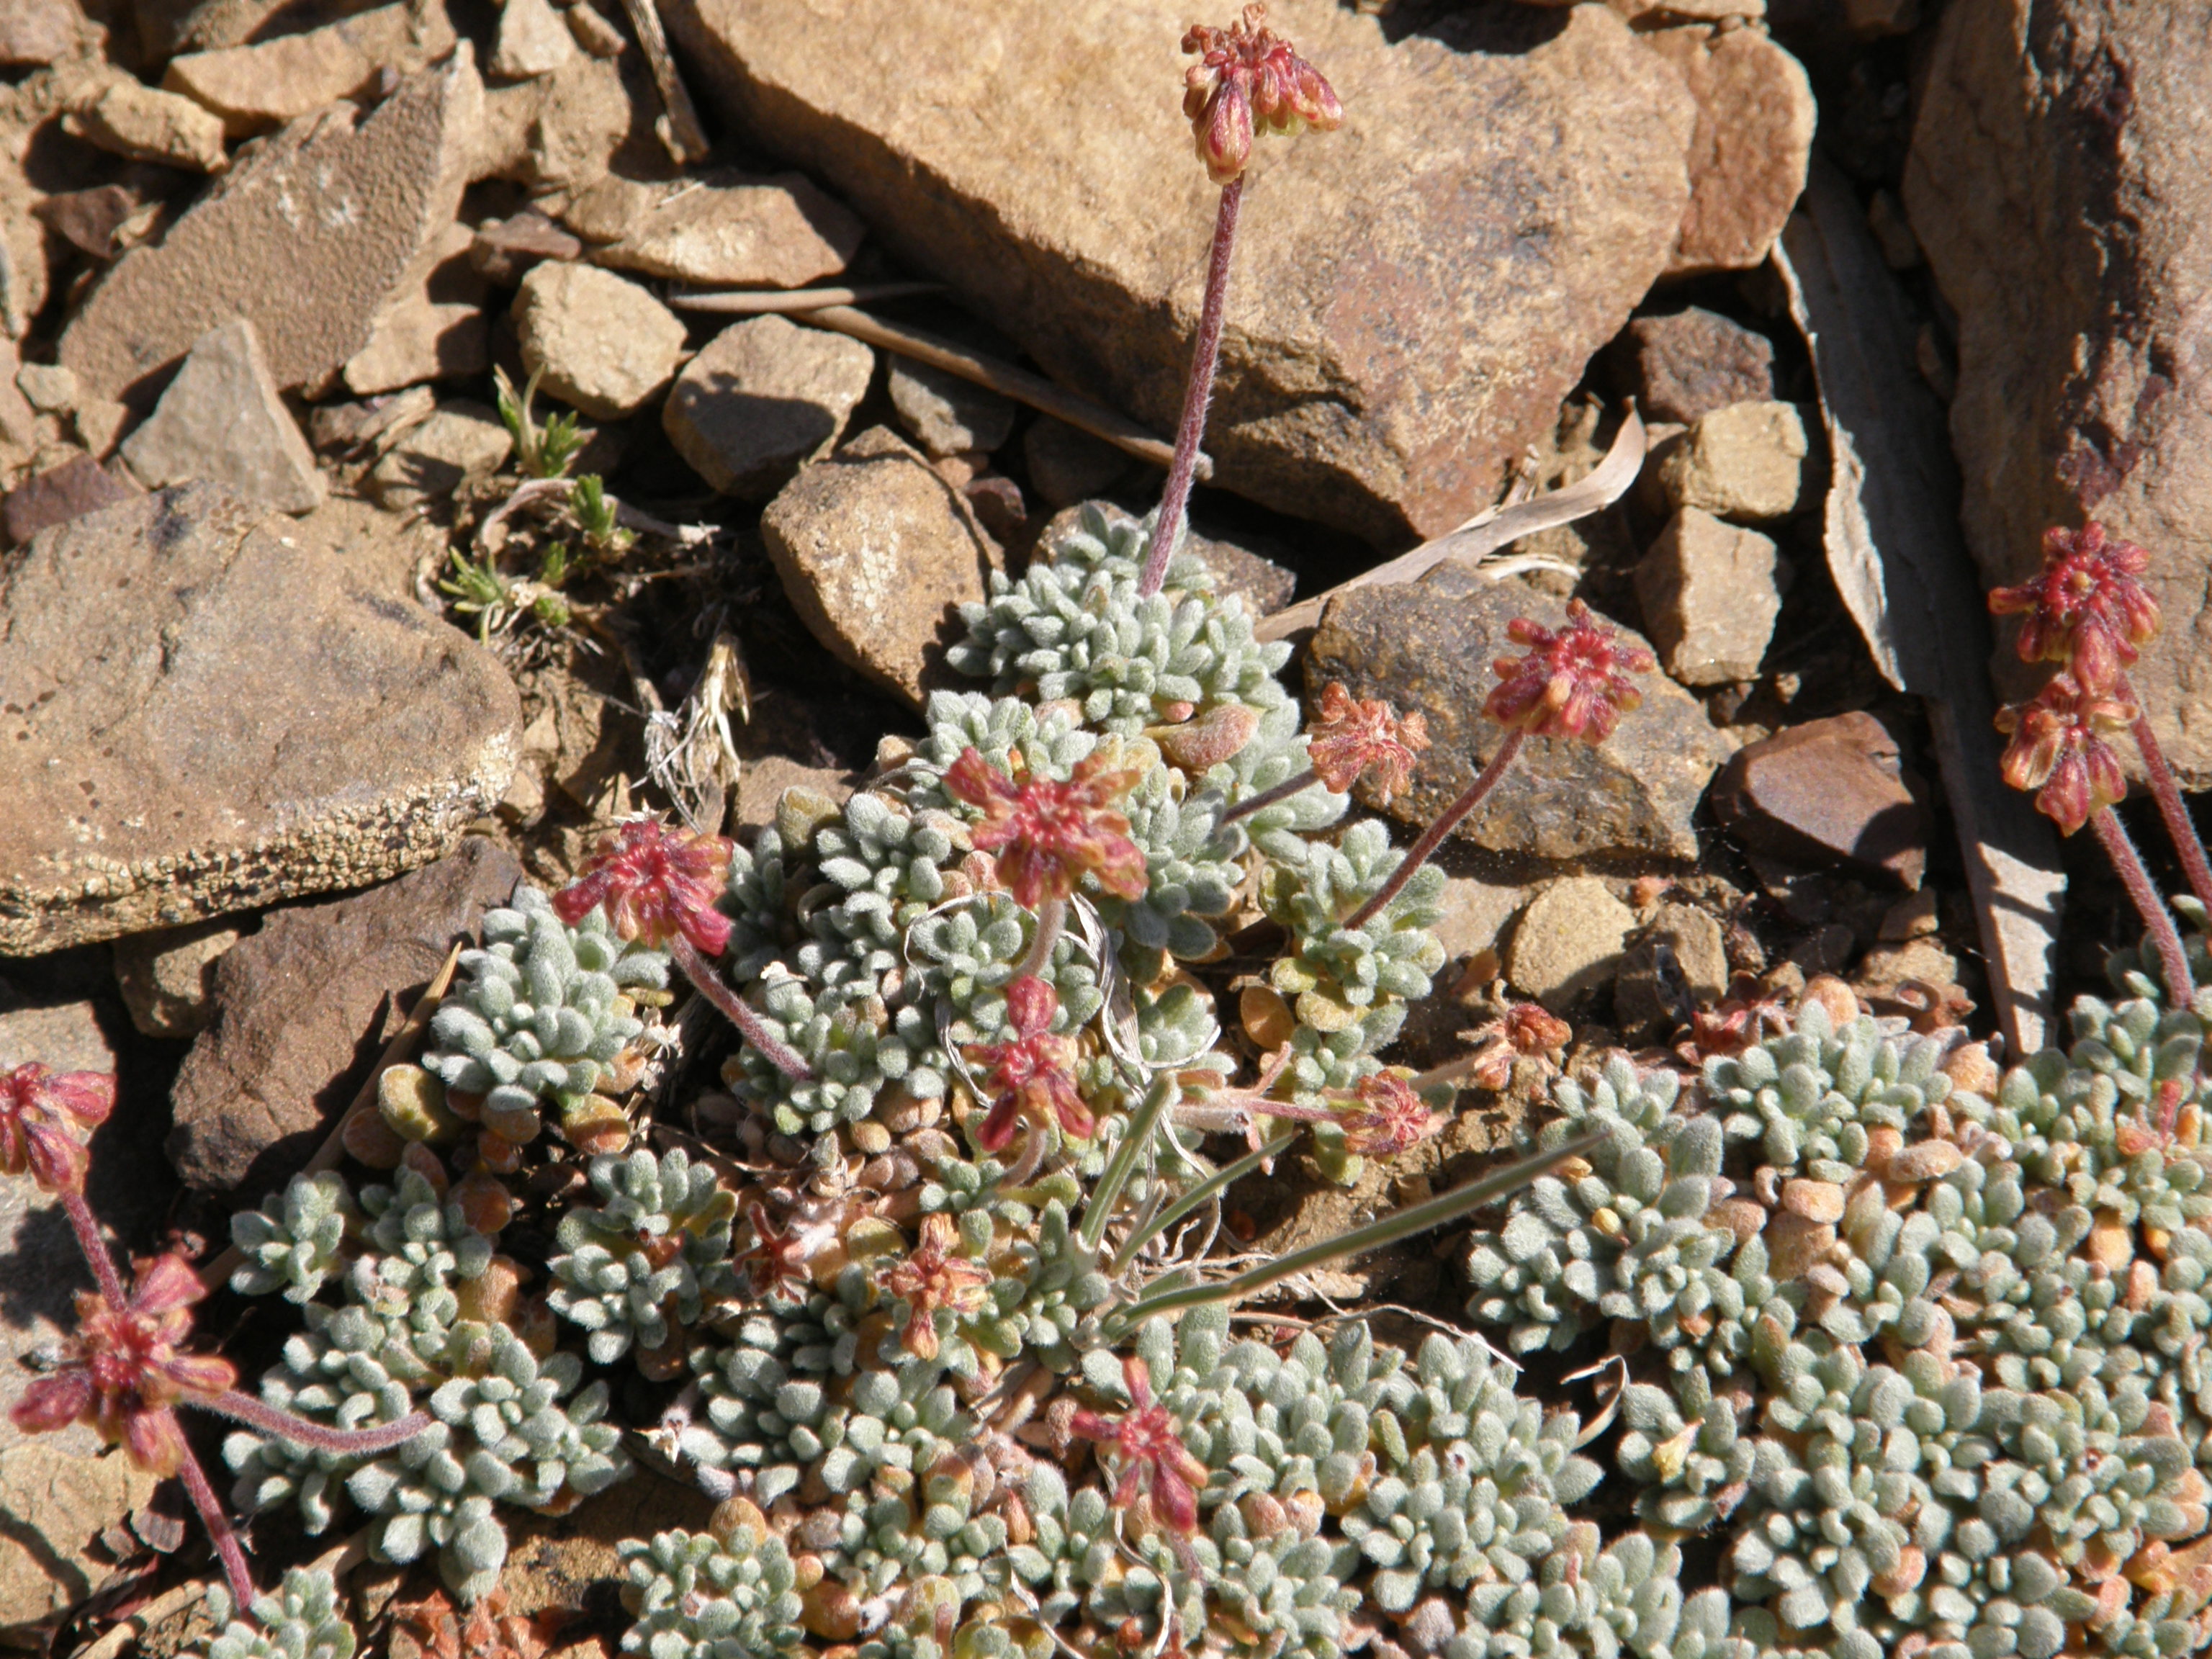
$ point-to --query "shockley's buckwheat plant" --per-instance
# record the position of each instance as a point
(1894, 1354)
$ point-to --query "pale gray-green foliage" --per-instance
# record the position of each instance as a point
(606, 1280)
(1810, 1096)
(1390, 956)
(694, 1595)
(301, 1620)
(1684, 1446)
(536, 1018)
(292, 1242)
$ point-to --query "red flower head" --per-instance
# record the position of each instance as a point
(2085, 608)
(124, 1371)
(656, 882)
(1386, 1117)
(1047, 834)
(1572, 684)
(40, 1112)
(1351, 735)
(2059, 750)
(1154, 1461)
(1247, 73)
(1029, 1077)
(931, 1277)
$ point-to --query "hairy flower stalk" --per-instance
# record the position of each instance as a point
(1350, 736)
(1573, 683)
(2061, 750)
(1247, 78)
(660, 885)
(2088, 609)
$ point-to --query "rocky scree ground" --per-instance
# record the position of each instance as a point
(343, 306)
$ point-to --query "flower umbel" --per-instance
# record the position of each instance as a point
(1386, 1117)
(1048, 834)
(2086, 607)
(656, 882)
(2058, 749)
(1247, 74)
(41, 1112)
(1355, 735)
(932, 1278)
(1573, 683)
(1155, 1463)
(1028, 1077)
(124, 1371)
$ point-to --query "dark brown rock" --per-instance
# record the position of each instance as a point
(504, 252)
(89, 219)
(1428, 646)
(1692, 361)
(309, 237)
(303, 725)
(78, 486)
(1413, 296)
(2057, 185)
(306, 1002)
(1828, 790)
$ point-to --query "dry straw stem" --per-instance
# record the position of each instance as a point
(786, 301)
(1486, 532)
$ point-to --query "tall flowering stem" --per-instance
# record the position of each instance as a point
(2061, 749)
(1248, 79)
(2088, 609)
(660, 885)
(1573, 683)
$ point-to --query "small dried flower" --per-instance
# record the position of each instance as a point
(1525, 1031)
(2059, 750)
(1248, 76)
(1155, 1463)
(1387, 1117)
(2086, 607)
(124, 1371)
(932, 1280)
(1572, 684)
(778, 1262)
(656, 882)
(1048, 834)
(1028, 1076)
(1354, 735)
(41, 1111)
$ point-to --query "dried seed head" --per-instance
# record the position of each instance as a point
(43, 1115)
(1573, 683)
(1247, 78)
(2058, 749)
(1352, 735)
(2086, 607)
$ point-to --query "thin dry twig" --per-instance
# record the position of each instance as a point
(1004, 378)
(762, 302)
(678, 127)
(1471, 542)
(400, 1048)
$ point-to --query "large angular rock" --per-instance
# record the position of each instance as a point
(782, 232)
(127, 118)
(237, 720)
(1752, 144)
(1429, 646)
(304, 1001)
(221, 421)
(255, 87)
(2042, 133)
(878, 553)
(311, 236)
(1826, 793)
(1412, 297)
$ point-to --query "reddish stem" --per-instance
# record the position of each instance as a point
(2113, 837)
(1168, 529)
(2166, 789)
(750, 1022)
(1267, 797)
(1433, 837)
(228, 1549)
(344, 1443)
(97, 1256)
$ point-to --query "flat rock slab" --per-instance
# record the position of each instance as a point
(2044, 133)
(1412, 296)
(235, 722)
(310, 236)
(1428, 646)
(782, 232)
(878, 553)
(302, 1003)
(255, 87)
(54, 1505)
